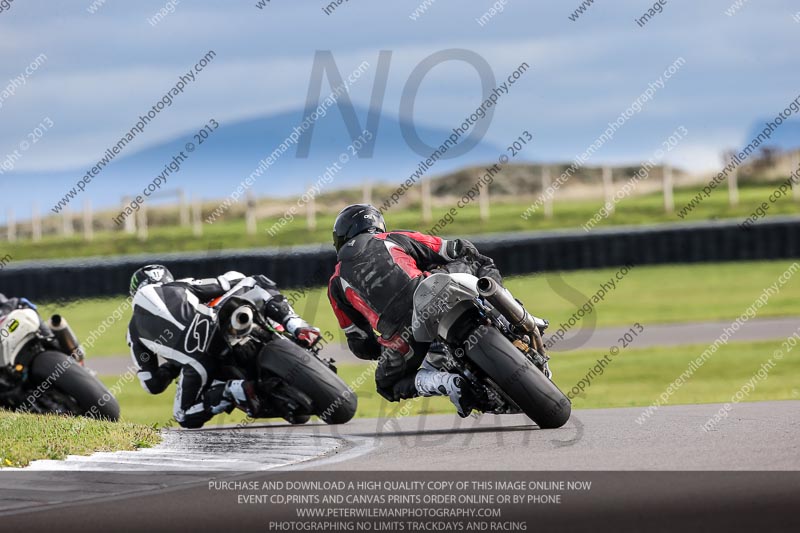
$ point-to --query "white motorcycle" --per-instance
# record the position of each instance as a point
(41, 369)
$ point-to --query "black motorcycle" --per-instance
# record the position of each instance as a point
(41, 369)
(293, 382)
(489, 338)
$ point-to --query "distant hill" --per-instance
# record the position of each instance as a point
(233, 151)
(785, 137)
(775, 159)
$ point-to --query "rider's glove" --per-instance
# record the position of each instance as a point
(303, 332)
(264, 282)
(479, 265)
(460, 248)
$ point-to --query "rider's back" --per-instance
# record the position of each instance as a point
(170, 316)
(383, 273)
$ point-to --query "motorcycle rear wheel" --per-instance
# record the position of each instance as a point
(520, 380)
(333, 401)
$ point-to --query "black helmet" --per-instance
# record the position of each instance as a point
(354, 220)
(150, 274)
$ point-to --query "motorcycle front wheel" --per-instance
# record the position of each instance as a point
(89, 397)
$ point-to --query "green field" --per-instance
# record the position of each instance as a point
(25, 437)
(633, 378)
(651, 294)
(229, 233)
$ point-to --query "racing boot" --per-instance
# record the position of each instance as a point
(243, 394)
(432, 383)
(215, 400)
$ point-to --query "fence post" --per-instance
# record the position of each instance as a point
(733, 184)
(250, 215)
(311, 211)
(733, 188)
(483, 202)
(66, 222)
(36, 224)
(669, 200)
(367, 197)
(88, 220)
(130, 222)
(548, 200)
(427, 210)
(184, 208)
(608, 189)
(11, 226)
(796, 169)
(142, 215)
(197, 213)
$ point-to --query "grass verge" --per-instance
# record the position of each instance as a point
(27, 437)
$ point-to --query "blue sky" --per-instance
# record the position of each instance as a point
(103, 69)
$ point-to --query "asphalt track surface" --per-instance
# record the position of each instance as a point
(762, 329)
(763, 438)
(756, 436)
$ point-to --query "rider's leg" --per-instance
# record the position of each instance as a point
(434, 380)
(243, 394)
(400, 377)
(396, 370)
(190, 409)
(197, 400)
(439, 383)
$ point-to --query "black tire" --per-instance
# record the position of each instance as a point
(520, 380)
(298, 420)
(58, 370)
(334, 402)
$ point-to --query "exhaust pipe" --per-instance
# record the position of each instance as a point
(66, 337)
(242, 321)
(501, 299)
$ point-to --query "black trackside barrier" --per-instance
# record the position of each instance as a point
(308, 266)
